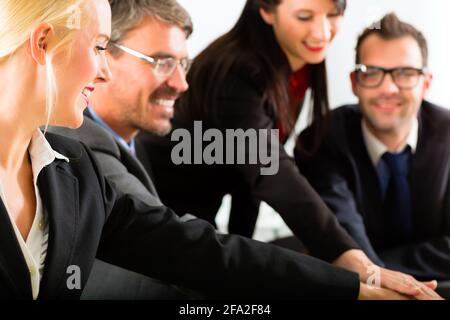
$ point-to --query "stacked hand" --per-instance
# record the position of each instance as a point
(381, 283)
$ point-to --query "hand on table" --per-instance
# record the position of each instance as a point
(373, 276)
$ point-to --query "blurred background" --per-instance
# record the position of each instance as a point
(212, 18)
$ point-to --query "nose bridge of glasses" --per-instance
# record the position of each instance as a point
(392, 83)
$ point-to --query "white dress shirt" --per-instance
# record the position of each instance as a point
(34, 249)
(376, 148)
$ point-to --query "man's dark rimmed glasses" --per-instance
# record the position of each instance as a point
(372, 76)
(163, 66)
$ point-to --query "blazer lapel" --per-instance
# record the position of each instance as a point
(12, 262)
(139, 166)
(369, 183)
(59, 193)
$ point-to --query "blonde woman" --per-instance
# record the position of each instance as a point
(48, 68)
(57, 212)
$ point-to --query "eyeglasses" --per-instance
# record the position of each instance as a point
(163, 66)
(373, 77)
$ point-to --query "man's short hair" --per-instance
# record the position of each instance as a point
(390, 27)
(127, 14)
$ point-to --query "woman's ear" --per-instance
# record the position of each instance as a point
(267, 16)
(39, 40)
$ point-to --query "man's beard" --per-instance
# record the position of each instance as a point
(153, 126)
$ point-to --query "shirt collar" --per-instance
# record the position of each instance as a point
(376, 148)
(129, 146)
(41, 153)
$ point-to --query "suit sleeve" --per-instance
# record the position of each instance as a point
(151, 239)
(243, 213)
(328, 172)
(428, 260)
(115, 171)
(287, 191)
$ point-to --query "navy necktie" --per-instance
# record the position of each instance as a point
(397, 202)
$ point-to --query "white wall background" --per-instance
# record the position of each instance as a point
(214, 17)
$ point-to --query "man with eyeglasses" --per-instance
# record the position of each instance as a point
(383, 166)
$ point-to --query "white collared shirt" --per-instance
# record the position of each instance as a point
(376, 148)
(34, 249)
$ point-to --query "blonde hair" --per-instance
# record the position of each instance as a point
(18, 18)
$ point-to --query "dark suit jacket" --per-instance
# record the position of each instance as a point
(107, 281)
(344, 176)
(200, 188)
(90, 216)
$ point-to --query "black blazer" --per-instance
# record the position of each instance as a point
(346, 179)
(200, 188)
(89, 217)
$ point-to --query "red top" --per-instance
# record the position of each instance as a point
(298, 84)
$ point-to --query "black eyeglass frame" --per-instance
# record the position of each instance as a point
(362, 68)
